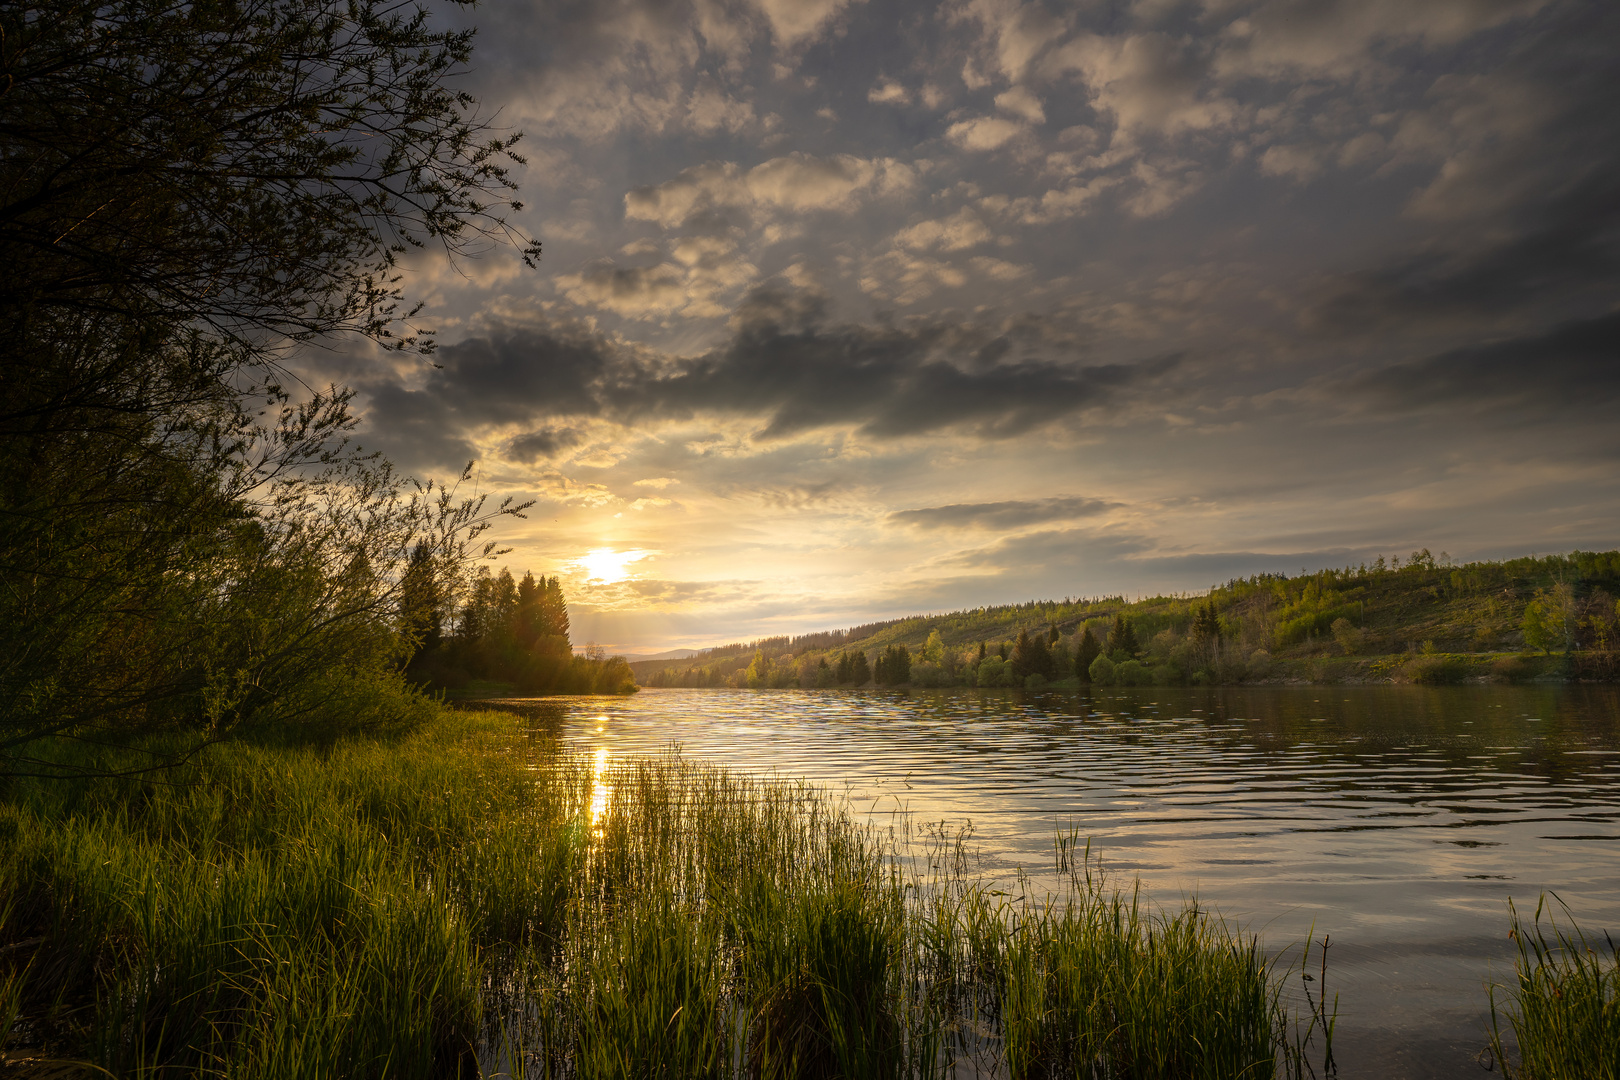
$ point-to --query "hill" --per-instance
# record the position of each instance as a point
(1423, 620)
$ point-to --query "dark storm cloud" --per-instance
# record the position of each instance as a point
(1575, 366)
(779, 365)
(1000, 515)
(1570, 254)
(543, 443)
(1522, 216)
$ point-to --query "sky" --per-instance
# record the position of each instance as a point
(851, 309)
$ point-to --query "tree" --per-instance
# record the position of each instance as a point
(421, 603)
(1030, 657)
(1547, 619)
(860, 672)
(1206, 627)
(1087, 651)
(1349, 637)
(1122, 639)
(250, 170)
(185, 192)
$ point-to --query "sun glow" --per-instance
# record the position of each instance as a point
(607, 565)
(601, 792)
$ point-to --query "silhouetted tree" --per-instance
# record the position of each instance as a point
(1084, 653)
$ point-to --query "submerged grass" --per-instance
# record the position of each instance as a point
(1564, 1009)
(463, 902)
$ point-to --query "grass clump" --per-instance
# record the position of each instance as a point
(1564, 1009)
(463, 901)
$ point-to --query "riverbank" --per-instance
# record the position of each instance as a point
(467, 901)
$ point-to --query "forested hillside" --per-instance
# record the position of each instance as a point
(1422, 619)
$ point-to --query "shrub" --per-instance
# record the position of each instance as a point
(1435, 670)
(1133, 673)
(1514, 668)
(1166, 675)
(1350, 639)
(1102, 671)
(1259, 665)
(927, 674)
(993, 671)
(1036, 681)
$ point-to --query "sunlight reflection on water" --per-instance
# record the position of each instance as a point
(1397, 819)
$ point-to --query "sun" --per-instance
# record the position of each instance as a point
(607, 565)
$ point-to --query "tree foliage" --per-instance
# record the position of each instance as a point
(186, 191)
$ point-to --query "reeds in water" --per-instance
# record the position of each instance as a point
(463, 902)
(1564, 1008)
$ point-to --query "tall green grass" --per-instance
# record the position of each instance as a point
(465, 902)
(1564, 1008)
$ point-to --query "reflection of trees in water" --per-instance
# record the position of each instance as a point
(1394, 725)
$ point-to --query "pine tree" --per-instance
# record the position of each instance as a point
(1207, 625)
(1030, 657)
(1087, 651)
(1122, 639)
(860, 672)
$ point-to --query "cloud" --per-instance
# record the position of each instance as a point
(962, 229)
(794, 22)
(1020, 102)
(985, 132)
(1147, 81)
(1000, 515)
(543, 443)
(889, 92)
(796, 183)
(1568, 249)
(783, 370)
(629, 291)
(1283, 39)
(1572, 370)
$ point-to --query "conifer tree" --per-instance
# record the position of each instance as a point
(1122, 639)
(1087, 651)
(1030, 656)
(860, 671)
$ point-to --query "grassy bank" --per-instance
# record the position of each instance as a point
(462, 901)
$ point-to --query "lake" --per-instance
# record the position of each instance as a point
(1397, 819)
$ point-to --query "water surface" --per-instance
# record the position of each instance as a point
(1398, 820)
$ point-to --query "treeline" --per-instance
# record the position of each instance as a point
(1422, 618)
(508, 632)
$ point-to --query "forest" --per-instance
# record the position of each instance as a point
(508, 637)
(1423, 620)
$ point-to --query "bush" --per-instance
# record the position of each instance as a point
(1167, 675)
(335, 706)
(1102, 671)
(1036, 681)
(1133, 673)
(993, 671)
(1259, 665)
(1435, 670)
(1514, 668)
(928, 675)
